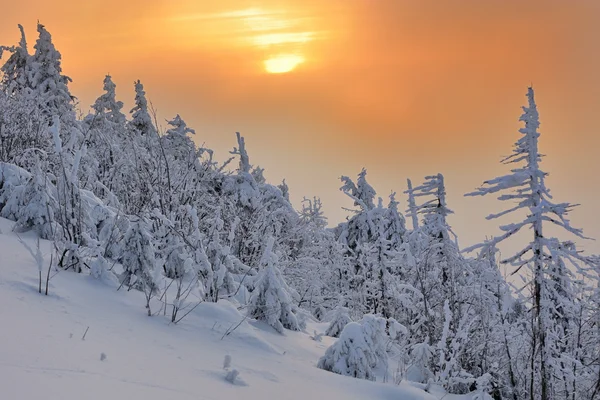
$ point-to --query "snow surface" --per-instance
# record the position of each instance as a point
(127, 354)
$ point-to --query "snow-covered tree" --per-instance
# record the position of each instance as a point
(221, 265)
(440, 268)
(243, 186)
(141, 121)
(22, 123)
(362, 192)
(372, 238)
(285, 190)
(444, 315)
(546, 258)
(271, 300)
(178, 144)
(179, 166)
(418, 370)
(107, 107)
(314, 261)
(106, 169)
(45, 79)
(143, 171)
(491, 334)
(38, 206)
(176, 254)
(261, 211)
(139, 260)
(14, 70)
(66, 157)
(312, 213)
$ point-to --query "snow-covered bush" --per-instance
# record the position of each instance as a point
(13, 180)
(350, 355)
(100, 269)
(341, 318)
(360, 349)
(421, 356)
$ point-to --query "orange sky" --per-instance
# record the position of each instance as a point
(403, 88)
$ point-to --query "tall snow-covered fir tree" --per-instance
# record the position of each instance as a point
(551, 262)
(45, 79)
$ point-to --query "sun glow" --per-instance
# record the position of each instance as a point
(283, 63)
(281, 39)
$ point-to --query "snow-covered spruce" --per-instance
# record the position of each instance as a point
(36, 206)
(45, 79)
(139, 261)
(271, 300)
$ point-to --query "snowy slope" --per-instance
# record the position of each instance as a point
(42, 354)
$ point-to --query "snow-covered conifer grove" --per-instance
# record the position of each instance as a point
(150, 211)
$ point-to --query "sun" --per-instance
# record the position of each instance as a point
(283, 63)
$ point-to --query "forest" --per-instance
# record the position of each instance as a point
(154, 212)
